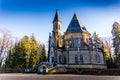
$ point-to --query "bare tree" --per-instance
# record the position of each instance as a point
(108, 47)
(5, 44)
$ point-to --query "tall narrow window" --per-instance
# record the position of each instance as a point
(60, 59)
(55, 27)
(52, 59)
(64, 59)
(98, 58)
(59, 27)
(76, 59)
(75, 43)
(81, 58)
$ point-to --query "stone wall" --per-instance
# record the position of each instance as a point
(88, 66)
(89, 57)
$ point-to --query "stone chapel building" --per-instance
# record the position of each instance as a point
(75, 48)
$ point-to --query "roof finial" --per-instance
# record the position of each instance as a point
(75, 14)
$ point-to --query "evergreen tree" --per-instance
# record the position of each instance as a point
(42, 53)
(26, 54)
(26, 49)
(17, 57)
(116, 42)
(33, 55)
(97, 40)
(8, 60)
(40, 46)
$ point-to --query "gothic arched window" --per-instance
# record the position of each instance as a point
(75, 43)
(81, 58)
(60, 59)
(76, 59)
(97, 58)
(63, 59)
(55, 27)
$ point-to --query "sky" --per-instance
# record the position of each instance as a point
(27, 17)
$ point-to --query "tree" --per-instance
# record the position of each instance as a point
(108, 47)
(26, 50)
(40, 46)
(116, 41)
(97, 42)
(26, 53)
(33, 55)
(20, 54)
(42, 53)
(107, 42)
(5, 45)
(15, 58)
(8, 62)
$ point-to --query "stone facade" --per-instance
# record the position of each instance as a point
(75, 48)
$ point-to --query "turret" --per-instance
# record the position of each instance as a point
(57, 29)
(57, 23)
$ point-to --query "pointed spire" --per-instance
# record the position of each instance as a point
(56, 18)
(74, 16)
(75, 25)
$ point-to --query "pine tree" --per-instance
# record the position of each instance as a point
(17, 57)
(26, 53)
(116, 42)
(26, 49)
(97, 40)
(40, 46)
(8, 59)
(42, 53)
(33, 55)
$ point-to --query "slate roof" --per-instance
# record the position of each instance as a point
(75, 26)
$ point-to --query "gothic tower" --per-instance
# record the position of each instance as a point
(57, 30)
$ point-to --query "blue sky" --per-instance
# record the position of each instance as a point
(24, 17)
